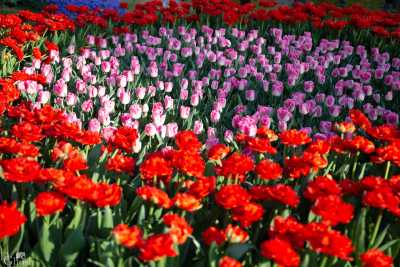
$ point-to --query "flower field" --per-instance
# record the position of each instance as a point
(206, 133)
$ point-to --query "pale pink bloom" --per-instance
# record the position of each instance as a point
(138, 146)
(97, 61)
(172, 129)
(168, 86)
(66, 75)
(150, 129)
(36, 63)
(136, 111)
(71, 49)
(135, 124)
(160, 85)
(80, 86)
(104, 54)
(31, 87)
(250, 95)
(102, 42)
(87, 105)
(153, 69)
(228, 136)
(90, 39)
(124, 97)
(71, 99)
(145, 108)
(184, 94)
(162, 130)
(101, 91)
(103, 117)
(121, 81)
(67, 63)
(85, 53)
(194, 100)
(58, 101)
(184, 112)
(215, 116)
(106, 66)
(93, 79)
(157, 108)
(151, 90)
(158, 119)
(94, 125)
(54, 56)
(129, 75)
(43, 97)
(46, 69)
(140, 92)
(198, 127)
(60, 89)
(168, 102)
(108, 105)
(108, 132)
(92, 91)
(126, 119)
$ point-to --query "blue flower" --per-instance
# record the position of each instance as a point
(90, 3)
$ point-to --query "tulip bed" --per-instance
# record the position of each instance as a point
(202, 134)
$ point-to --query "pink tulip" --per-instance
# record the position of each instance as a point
(43, 97)
(171, 129)
(87, 105)
(198, 127)
(136, 111)
(184, 112)
(94, 125)
(150, 129)
(140, 92)
(108, 132)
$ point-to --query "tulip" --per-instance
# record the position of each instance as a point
(94, 125)
(184, 112)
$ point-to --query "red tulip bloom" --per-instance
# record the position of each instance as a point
(48, 203)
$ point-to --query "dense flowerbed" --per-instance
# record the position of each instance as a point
(205, 134)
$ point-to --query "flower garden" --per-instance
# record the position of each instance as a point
(206, 133)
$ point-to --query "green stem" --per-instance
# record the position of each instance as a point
(4, 248)
(376, 229)
(380, 216)
(327, 170)
(353, 172)
(324, 261)
(387, 169)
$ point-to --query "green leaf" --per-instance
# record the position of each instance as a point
(94, 155)
(209, 169)
(75, 240)
(142, 215)
(213, 255)
(381, 237)
(71, 248)
(264, 264)
(306, 261)
(16, 241)
(311, 217)
(34, 260)
(46, 244)
(360, 231)
(108, 222)
(389, 244)
(78, 220)
(238, 250)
